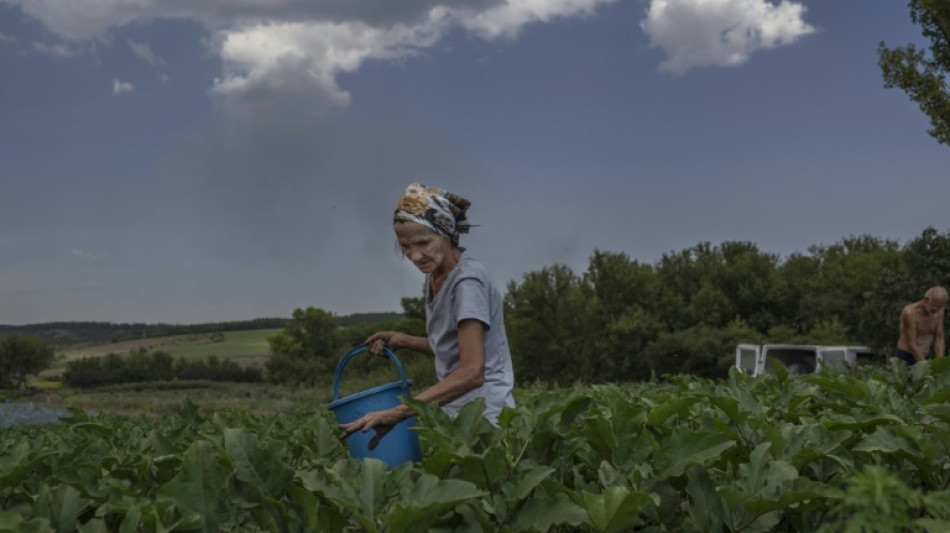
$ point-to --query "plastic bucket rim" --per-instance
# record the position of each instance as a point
(369, 392)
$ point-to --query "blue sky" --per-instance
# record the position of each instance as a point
(187, 162)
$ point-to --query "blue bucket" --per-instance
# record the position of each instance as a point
(400, 444)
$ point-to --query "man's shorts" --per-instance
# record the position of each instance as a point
(905, 357)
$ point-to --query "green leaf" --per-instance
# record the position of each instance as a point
(574, 407)
(426, 500)
(861, 420)
(920, 439)
(932, 525)
(70, 505)
(600, 436)
(542, 512)
(730, 406)
(198, 489)
(328, 483)
(801, 494)
(21, 471)
(370, 488)
(678, 405)
(614, 509)
(262, 468)
(527, 481)
(851, 388)
(61, 505)
(687, 448)
(309, 507)
(13, 522)
(705, 504)
(265, 519)
(130, 522)
(103, 431)
(763, 477)
(884, 441)
(95, 525)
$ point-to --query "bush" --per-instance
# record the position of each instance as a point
(22, 356)
(141, 366)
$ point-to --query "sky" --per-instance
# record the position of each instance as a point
(185, 162)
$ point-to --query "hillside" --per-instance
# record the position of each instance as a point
(74, 334)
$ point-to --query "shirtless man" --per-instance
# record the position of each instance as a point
(922, 327)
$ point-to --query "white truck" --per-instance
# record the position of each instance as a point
(756, 360)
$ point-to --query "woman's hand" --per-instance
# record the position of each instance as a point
(381, 421)
(386, 339)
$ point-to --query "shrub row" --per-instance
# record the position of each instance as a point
(141, 366)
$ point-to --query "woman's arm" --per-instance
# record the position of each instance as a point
(395, 340)
(469, 375)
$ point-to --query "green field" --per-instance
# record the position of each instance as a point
(236, 344)
(165, 398)
(248, 347)
(857, 451)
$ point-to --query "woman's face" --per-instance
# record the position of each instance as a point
(424, 247)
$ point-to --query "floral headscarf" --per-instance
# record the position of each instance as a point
(441, 211)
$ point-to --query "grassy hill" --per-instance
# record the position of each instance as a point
(69, 335)
(72, 334)
(245, 347)
(226, 340)
(243, 341)
(252, 343)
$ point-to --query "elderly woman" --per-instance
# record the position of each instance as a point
(464, 323)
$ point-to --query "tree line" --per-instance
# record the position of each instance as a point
(627, 320)
(72, 333)
(140, 366)
(623, 319)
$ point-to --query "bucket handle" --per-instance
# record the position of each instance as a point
(357, 350)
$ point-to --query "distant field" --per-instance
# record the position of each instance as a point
(236, 345)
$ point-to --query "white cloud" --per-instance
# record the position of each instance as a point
(287, 54)
(507, 19)
(265, 63)
(121, 87)
(297, 63)
(84, 255)
(55, 50)
(4, 38)
(89, 19)
(698, 33)
(145, 53)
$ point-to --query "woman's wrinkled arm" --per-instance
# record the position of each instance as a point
(470, 373)
(395, 340)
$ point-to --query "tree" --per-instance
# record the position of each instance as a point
(547, 321)
(414, 308)
(306, 349)
(700, 350)
(22, 356)
(922, 77)
(623, 315)
(846, 274)
(713, 285)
